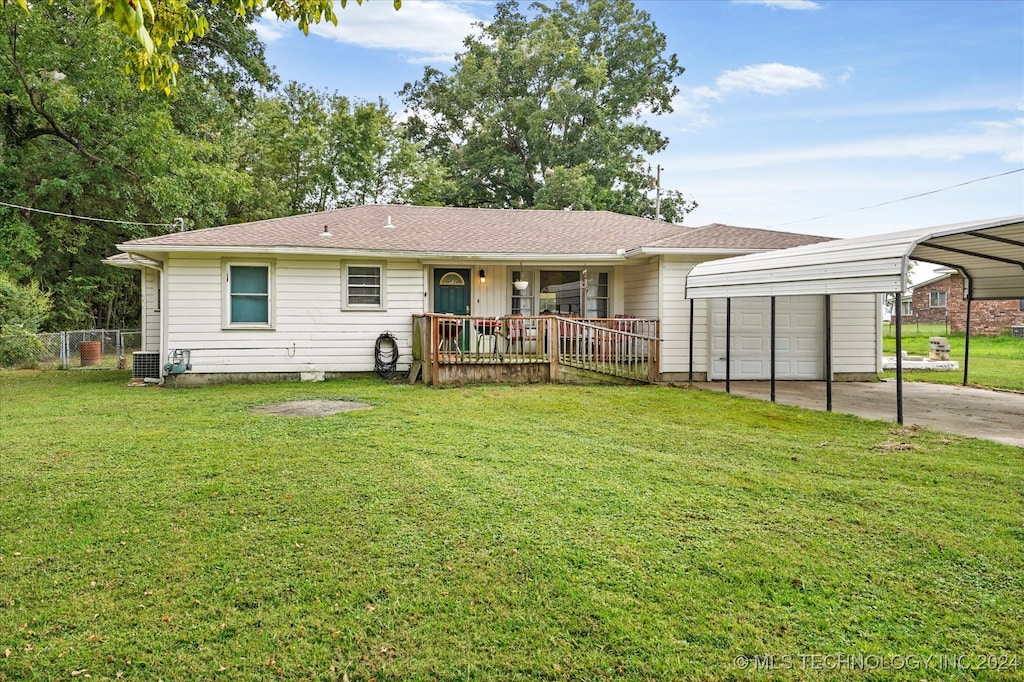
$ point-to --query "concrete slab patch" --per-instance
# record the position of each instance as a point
(310, 408)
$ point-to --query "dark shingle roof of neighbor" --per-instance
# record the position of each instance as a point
(446, 230)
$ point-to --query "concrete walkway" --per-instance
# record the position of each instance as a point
(975, 412)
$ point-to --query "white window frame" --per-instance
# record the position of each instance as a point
(932, 296)
(531, 296)
(907, 307)
(382, 304)
(225, 278)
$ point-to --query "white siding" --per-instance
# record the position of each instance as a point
(675, 321)
(640, 289)
(856, 334)
(311, 332)
(150, 310)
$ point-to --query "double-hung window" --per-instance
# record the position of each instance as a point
(363, 287)
(249, 302)
(937, 299)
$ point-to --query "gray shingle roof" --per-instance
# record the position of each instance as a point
(445, 230)
(718, 236)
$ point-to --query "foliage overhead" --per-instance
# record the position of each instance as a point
(550, 111)
(157, 27)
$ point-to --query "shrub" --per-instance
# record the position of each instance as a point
(23, 307)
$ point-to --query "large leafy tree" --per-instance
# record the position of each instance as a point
(550, 111)
(309, 151)
(80, 138)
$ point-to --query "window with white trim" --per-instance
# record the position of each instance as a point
(936, 299)
(906, 307)
(597, 295)
(248, 300)
(522, 299)
(363, 287)
(562, 292)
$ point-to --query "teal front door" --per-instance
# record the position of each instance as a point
(451, 295)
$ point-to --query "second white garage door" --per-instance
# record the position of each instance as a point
(799, 338)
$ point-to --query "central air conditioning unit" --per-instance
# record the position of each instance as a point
(145, 365)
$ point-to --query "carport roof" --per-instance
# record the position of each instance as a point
(989, 253)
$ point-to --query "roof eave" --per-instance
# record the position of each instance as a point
(370, 253)
(672, 251)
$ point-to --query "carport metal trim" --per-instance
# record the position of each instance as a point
(988, 253)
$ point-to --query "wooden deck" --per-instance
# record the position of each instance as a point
(455, 349)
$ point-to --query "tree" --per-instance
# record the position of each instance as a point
(308, 151)
(549, 111)
(22, 310)
(80, 138)
(158, 26)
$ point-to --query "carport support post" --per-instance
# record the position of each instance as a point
(690, 365)
(828, 352)
(728, 336)
(772, 352)
(899, 357)
(967, 335)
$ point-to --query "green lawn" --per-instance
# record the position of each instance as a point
(996, 361)
(530, 532)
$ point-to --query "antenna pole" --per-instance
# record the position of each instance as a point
(657, 193)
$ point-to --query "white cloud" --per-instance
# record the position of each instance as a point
(768, 79)
(691, 104)
(782, 4)
(429, 31)
(989, 138)
(270, 30)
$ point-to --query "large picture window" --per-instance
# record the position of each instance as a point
(364, 287)
(248, 302)
(562, 292)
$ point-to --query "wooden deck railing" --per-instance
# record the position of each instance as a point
(624, 347)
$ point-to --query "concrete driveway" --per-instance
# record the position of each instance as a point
(975, 412)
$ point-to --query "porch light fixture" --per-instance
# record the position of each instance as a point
(483, 276)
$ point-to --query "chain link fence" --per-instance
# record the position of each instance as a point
(105, 348)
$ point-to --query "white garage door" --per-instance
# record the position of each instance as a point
(799, 338)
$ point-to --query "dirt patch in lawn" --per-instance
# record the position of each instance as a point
(310, 408)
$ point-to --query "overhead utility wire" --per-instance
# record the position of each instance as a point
(176, 224)
(894, 201)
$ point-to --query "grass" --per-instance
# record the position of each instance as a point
(995, 362)
(529, 532)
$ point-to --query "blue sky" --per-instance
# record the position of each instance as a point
(788, 110)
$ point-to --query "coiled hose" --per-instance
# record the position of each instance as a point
(385, 356)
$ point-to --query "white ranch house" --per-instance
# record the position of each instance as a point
(478, 294)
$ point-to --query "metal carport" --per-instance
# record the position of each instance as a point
(988, 253)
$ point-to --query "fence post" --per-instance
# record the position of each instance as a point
(65, 351)
(551, 331)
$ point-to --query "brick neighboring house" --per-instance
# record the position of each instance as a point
(941, 300)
